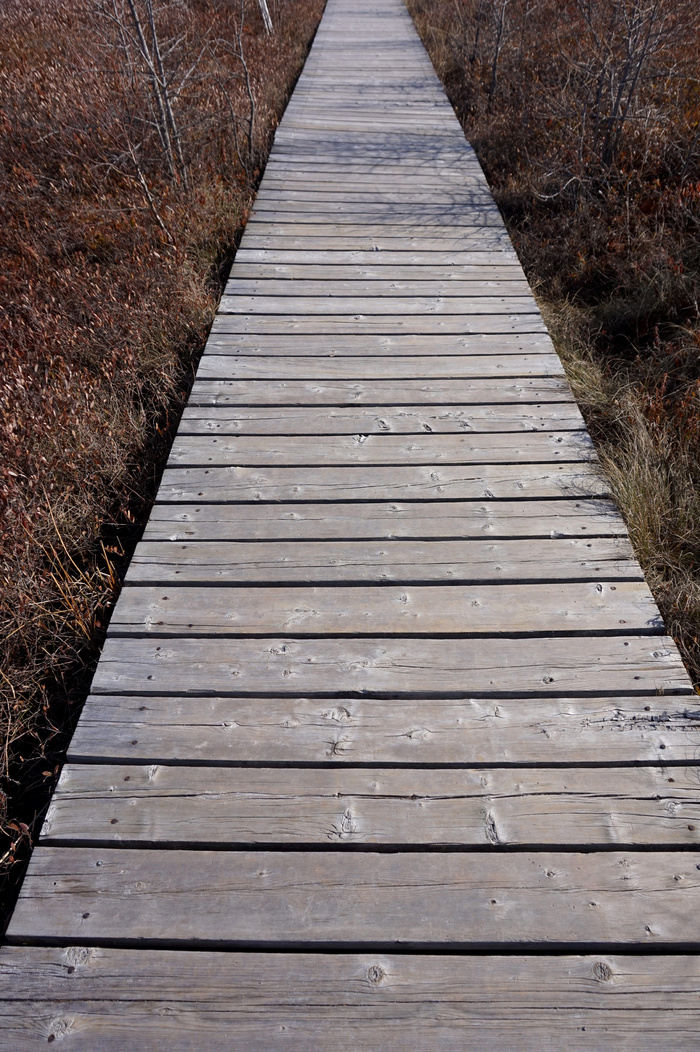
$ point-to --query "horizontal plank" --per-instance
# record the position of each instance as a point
(300, 367)
(450, 562)
(286, 196)
(262, 1002)
(305, 285)
(402, 257)
(425, 217)
(529, 447)
(505, 390)
(419, 610)
(320, 345)
(370, 240)
(584, 665)
(343, 521)
(483, 482)
(353, 420)
(235, 730)
(279, 898)
(504, 278)
(201, 806)
(409, 233)
(332, 324)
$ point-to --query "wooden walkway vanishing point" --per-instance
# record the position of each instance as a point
(387, 749)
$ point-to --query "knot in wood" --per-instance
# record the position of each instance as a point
(375, 974)
(602, 971)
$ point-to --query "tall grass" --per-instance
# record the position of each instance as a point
(112, 262)
(586, 119)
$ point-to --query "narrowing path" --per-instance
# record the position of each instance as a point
(387, 748)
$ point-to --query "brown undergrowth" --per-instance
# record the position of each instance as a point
(127, 166)
(586, 119)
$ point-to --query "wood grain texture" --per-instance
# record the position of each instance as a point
(254, 367)
(333, 807)
(335, 306)
(586, 665)
(363, 256)
(449, 562)
(426, 392)
(409, 609)
(278, 898)
(333, 324)
(342, 730)
(482, 482)
(382, 420)
(370, 1002)
(277, 281)
(527, 448)
(389, 520)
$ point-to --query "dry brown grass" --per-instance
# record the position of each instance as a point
(603, 206)
(111, 268)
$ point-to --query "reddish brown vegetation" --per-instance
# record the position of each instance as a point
(116, 231)
(586, 118)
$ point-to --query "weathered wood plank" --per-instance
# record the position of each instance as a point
(278, 898)
(433, 219)
(373, 280)
(465, 200)
(504, 391)
(276, 252)
(407, 235)
(258, 1002)
(235, 730)
(300, 367)
(549, 666)
(529, 447)
(434, 520)
(450, 562)
(332, 324)
(203, 806)
(319, 345)
(370, 241)
(276, 284)
(353, 420)
(409, 609)
(490, 481)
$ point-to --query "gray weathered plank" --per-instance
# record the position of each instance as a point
(549, 666)
(408, 609)
(430, 730)
(328, 305)
(331, 367)
(388, 345)
(348, 807)
(373, 280)
(258, 1002)
(274, 282)
(397, 256)
(503, 391)
(528, 447)
(332, 324)
(435, 519)
(278, 898)
(450, 562)
(490, 481)
(354, 420)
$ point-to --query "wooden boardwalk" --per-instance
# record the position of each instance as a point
(387, 748)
